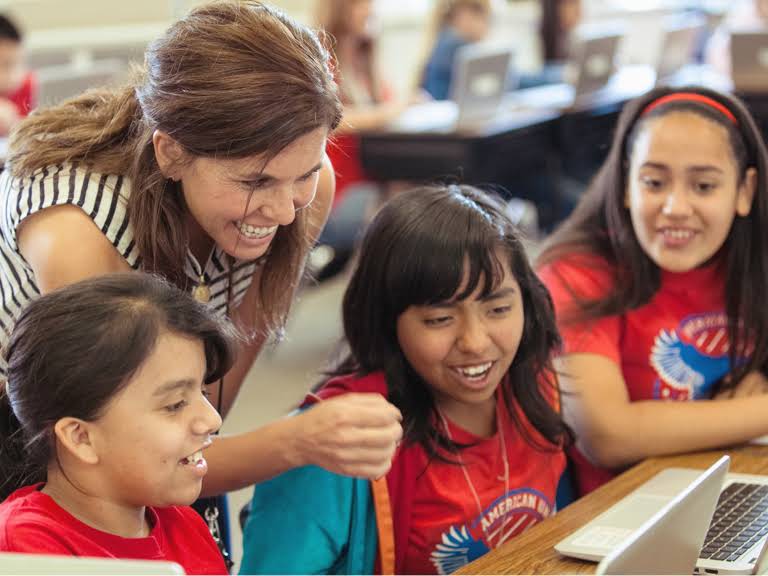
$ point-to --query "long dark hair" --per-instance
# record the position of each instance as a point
(413, 254)
(231, 79)
(601, 226)
(72, 350)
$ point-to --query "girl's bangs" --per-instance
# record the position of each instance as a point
(446, 266)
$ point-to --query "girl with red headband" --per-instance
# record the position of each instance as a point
(658, 278)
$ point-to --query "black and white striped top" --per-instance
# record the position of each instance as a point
(103, 197)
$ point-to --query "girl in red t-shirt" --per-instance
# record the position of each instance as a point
(659, 280)
(103, 421)
(443, 316)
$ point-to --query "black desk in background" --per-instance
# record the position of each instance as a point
(537, 149)
(538, 139)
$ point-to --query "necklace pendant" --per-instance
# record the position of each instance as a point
(201, 293)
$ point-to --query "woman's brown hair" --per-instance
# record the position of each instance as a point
(231, 79)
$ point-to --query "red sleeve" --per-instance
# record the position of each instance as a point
(25, 96)
(33, 538)
(582, 278)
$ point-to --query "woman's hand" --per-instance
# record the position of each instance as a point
(352, 435)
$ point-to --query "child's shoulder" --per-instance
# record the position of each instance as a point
(582, 273)
(375, 383)
(28, 500)
(29, 521)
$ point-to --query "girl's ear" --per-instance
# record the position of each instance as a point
(746, 192)
(74, 436)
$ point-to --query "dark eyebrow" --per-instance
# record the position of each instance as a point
(174, 385)
(655, 165)
(498, 294)
(705, 169)
(262, 177)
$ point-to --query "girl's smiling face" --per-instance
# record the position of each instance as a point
(150, 438)
(462, 349)
(684, 190)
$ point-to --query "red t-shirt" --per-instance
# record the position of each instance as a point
(675, 347)
(32, 522)
(25, 96)
(447, 529)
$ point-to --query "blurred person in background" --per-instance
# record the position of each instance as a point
(18, 87)
(455, 23)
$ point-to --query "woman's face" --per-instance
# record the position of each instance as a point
(463, 349)
(151, 437)
(683, 189)
(241, 203)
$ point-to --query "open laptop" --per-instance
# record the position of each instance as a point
(481, 76)
(749, 61)
(586, 75)
(593, 64)
(677, 49)
(11, 563)
(659, 546)
(733, 540)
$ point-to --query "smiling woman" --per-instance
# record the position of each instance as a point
(209, 170)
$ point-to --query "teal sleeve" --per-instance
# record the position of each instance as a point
(310, 521)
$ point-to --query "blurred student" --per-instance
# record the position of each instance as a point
(558, 20)
(744, 15)
(18, 87)
(456, 23)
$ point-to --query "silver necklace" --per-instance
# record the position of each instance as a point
(471, 485)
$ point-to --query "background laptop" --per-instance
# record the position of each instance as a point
(660, 546)
(677, 49)
(749, 61)
(481, 76)
(593, 64)
(733, 540)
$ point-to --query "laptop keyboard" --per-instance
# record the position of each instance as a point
(739, 522)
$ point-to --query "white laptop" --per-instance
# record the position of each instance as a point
(481, 76)
(749, 61)
(11, 563)
(587, 74)
(659, 546)
(732, 543)
(592, 64)
(677, 49)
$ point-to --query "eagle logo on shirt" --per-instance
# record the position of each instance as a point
(692, 358)
(457, 548)
(506, 517)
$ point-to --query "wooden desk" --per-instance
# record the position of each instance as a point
(533, 552)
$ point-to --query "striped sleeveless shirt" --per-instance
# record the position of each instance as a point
(104, 198)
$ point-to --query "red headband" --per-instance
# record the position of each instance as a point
(691, 97)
